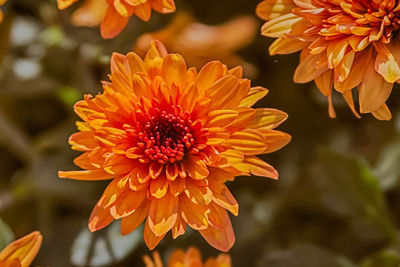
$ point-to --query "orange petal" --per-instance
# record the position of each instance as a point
(217, 135)
(150, 238)
(179, 228)
(382, 113)
(286, 45)
(87, 175)
(211, 72)
(254, 95)
(343, 69)
(310, 68)
(260, 168)
(198, 194)
(176, 187)
(388, 65)
(174, 70)
(163, 6)
(357, 72)
(196, 168)
(127, 203)
(218, 217)
(171, 171)
(279, 26)
(223, 91)
(324, 82)
(195, 215)
(113, 23)
(82, 141)
(230, 157)
(159, 187)
(22, 251)
(247, 141)
(99, 218)
(163, 214)
(274, 140)
(268, 118)
(221, 117)
(155, 169)
(374, 90)
(143, 11)
(221, 240)
(225, 199)
(131, 222)
(270, 9)
(336, 51)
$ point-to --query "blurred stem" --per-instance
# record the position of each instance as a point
(15, 140)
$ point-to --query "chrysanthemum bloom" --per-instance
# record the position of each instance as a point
(116, 12)
(21, 252)
(170, 137)
(2, 2)
(345, 45)
(200, 43)
(190, 258)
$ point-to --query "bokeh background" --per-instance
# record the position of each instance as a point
(337, 202)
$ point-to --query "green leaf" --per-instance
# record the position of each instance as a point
(347, 186)
(6, 235)
(105, 247)
(388, 168)
(386, 258)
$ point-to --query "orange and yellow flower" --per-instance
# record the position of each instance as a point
(2, 2)
(190, 258)
(345, 45)
(21, 252)
(114, 14)
(200, 43)
(169, 137)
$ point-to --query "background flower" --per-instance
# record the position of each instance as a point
(170, 137)
(191, 257)
(21, 252)
(114, 14)
(202, 43)
(344, 44)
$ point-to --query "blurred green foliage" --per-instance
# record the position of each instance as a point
(337, 202)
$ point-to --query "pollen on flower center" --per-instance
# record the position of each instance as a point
(165, 137)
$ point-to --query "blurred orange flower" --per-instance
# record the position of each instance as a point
(21, 252)
(170, 137)
(2, 2)
(201, 43)
(345, 44)
(114, 14)
(191, 257)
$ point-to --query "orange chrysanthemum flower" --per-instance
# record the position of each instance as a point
(345, 44)
(21, 252)
(217, 42)
(2, 2)
(170, 137)
(191, 257)
(115, 14)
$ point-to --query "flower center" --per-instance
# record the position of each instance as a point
(165, 137)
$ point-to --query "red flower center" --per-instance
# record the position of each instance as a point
(165, 137)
